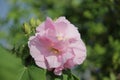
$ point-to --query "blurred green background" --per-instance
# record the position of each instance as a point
(98, 22)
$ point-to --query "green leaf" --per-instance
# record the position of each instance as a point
(51, 76)
(37, 73)
(32, 73)
(112, 76)
(11, 68)
(68, 75)
(65, 77)
(23, 74)
(9, 65)
(88, 14)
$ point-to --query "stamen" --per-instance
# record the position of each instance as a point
(56, 51)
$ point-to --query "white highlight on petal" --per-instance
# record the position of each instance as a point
(52, 61)
(60, 36)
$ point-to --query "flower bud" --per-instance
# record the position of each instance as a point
(33, 22)
(38, 22)
(26, 28)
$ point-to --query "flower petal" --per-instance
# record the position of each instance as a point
(69, 63)
(72, 32)
(53, 61)
(49, 24)
(62, 19)
(79, 56)
(34, 51)
(61, 27)
(40, 61)
(66, 56)
(40, 27)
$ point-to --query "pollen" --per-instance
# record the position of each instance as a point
(56, 51)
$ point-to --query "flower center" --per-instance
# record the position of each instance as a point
(56, 51)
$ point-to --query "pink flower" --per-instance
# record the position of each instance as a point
(57, 45)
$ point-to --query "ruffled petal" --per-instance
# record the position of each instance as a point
(62, 19)
(41, 27)
(67, 56)
(69, 63)
(72, 32)
(49, 24)
(40, 61)
(61, 27)
(33, 44)
(79, 56)
(52, 61)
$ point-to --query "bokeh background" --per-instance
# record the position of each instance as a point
(98, 21)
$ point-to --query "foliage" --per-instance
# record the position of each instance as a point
(97, 20)
(15, 70)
